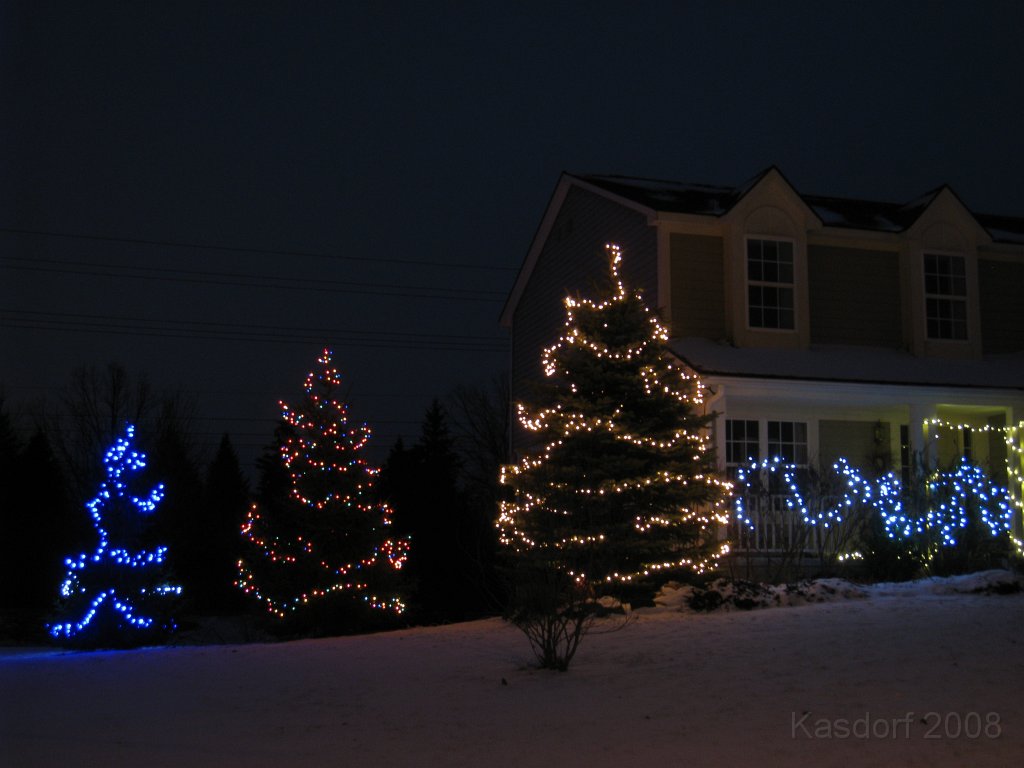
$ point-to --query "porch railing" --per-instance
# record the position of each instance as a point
(776, 526)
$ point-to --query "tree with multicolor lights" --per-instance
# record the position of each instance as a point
(118, 595)
(620, 486)
(323, 547)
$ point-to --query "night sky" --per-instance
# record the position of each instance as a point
(210, 192)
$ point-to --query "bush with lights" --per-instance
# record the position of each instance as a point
(940, 522)
(322, 557)
(118, 596)
(620, 489)
(952, 521)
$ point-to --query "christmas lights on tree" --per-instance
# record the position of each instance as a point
(327, 537)
(117, 595)
(622, 482)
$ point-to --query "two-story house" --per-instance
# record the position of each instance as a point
(823, 327)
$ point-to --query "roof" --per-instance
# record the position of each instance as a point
(853, 364)
(711, 200)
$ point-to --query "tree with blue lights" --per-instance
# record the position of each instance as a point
(320, 554)
(118, 595)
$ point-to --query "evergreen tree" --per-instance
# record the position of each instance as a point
(224, 505)
(117, 596)
(620, 485)
(179, 522)
(36, 534)
(327, 546)
(422, 485)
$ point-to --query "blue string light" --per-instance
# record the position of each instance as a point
(946, 507)
(135, 593)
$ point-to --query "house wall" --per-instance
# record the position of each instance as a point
(1001, 294)
(573, 262)
(697, 274)
(854, 296)
(855, 441)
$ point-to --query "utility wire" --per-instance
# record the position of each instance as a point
(161, 274)
(265, 251)
(187, 330)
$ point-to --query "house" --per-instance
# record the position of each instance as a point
(823, 327)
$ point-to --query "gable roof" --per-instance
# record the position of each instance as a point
(846, 212)
(651, 196)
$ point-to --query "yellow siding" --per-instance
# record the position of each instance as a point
(697, 286)
(1001, 294)
(854, 296)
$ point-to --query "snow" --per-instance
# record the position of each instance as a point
(839, 362)
(726, 688)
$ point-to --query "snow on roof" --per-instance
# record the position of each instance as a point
(856, 364)
(662, 195)
(715, 200)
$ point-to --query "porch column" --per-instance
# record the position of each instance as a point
(924, 439)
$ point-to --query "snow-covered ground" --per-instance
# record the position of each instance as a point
(911, 675)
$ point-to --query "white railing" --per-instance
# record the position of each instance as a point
(774, 523)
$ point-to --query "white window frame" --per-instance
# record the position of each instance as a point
(950, 299)
(790, 286)
(809, 426)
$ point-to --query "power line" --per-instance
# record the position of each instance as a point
(184, 329)
(265, 251)
(238, 279)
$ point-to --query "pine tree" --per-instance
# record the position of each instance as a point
(118, 595)
(422, 484)
(224, 505)
(620, 486)
(327, 544)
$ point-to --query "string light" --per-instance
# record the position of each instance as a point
(950, 500)
(136, 576)
(331, 485)
(673, 503)
(1014, 463)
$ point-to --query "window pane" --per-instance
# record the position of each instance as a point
(741, 441)
(770, 292)
(945, 286)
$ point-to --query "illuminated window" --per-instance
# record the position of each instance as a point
(770, 284)
(945, 296)
(788, 440)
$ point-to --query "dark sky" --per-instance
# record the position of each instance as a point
(209, 192)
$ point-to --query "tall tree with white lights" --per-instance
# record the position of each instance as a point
(326, 546)
(620, 486)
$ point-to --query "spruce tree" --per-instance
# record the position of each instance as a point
(224, 505)
(620, 484)
(326, 549)
(118, 595)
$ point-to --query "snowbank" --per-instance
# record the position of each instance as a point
(910, 675)
(724, 594)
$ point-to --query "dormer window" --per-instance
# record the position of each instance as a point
(945, 296)
(770, 284)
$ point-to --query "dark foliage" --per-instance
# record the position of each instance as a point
(38, 528)
(451, 539)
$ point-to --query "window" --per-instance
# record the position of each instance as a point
(945, 296)
(742, 443)
(788, 440)
(770, 284)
